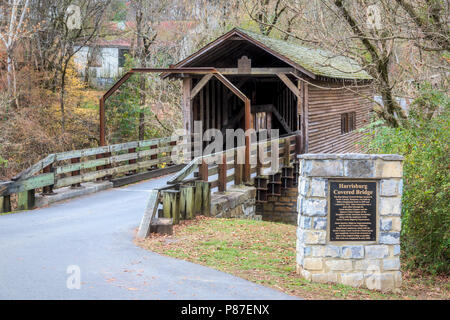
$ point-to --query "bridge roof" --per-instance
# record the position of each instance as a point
(311, 61)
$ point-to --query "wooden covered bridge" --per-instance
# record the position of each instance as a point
(242, 80)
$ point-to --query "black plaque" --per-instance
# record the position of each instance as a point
(353, 210)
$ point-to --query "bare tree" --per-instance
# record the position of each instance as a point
(345, 28)
(14, 13)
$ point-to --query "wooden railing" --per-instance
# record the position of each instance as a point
(74, 167)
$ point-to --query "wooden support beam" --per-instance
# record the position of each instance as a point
(289, 84)
(198, 195)
(248, 126)
(187, 105)
(75, 173)
(150, 212)
(206, 199)
(187, 202)
(238, 169)
(200, 85)
(223, 173)
(25, 200)
(282, 121)
(203, 171)
(255, 71)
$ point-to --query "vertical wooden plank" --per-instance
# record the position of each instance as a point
(187, 105)
(48, 189)
(187, 202)
(203, 171)
(5, 204)
(248, 125)
(75, 173)
(287, 153)
(198, 194)
(224, 105)
(213, 103)
(306, 116)
(207, 106)
(25, 200)
(153, 157)
(206, 201)
(219, 105)
(175, 207)
(167, 205)
(238, 170)
(223, 173)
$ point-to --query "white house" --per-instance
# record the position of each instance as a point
(107, 58)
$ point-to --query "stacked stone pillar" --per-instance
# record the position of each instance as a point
(371, 264)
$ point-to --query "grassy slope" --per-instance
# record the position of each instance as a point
(264, 252)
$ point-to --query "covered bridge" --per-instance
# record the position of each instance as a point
(291, 87)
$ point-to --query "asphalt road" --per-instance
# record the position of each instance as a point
(95, 234)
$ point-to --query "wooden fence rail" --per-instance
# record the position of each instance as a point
(74, 167)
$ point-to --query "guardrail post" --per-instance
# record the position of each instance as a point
(206, 199)
(298, 143)
(198, 194)
(238, 169)
(172, 143)
(48, 190)
(25, 200)
(171, 205)
(203, 171)
(153, 157)
(287, 151)
(75, 173)
(223, 173)
(132, 161)
(187, 202)
(5, 204)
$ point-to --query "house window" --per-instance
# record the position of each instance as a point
(348, 122)
(122, 53)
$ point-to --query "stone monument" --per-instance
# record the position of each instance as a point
(349, 224)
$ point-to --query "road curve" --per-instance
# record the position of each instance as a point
(95, 233)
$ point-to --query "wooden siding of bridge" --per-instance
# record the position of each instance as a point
(325, 107)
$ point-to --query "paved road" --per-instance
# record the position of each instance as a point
(96, 232)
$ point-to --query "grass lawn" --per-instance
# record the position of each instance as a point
(264, 252)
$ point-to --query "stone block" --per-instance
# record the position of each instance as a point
(324, 277)
(314, 207)
(380, 281)
(388, 169)
(377, 251)
(318, 187)
(396, 224)
(305, 222)
(339, 265)
(324, 168)
(390, 206)
(359, 168)
(332, 251)
(398, 279)
(391, 264)
(354, 279)
(320, 223)
(303, 186)
(353, 252)
(314, 237)
(396, 250)
(368, 265)
(317, 251)
(389, 187)
(386, 224)
(312, 263)
(389, 238)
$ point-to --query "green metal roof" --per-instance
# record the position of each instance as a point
(317, 61)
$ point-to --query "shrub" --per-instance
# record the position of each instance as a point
(423, 141)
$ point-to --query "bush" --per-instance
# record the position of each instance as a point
(423, 140)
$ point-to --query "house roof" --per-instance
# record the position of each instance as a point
(311, 61)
